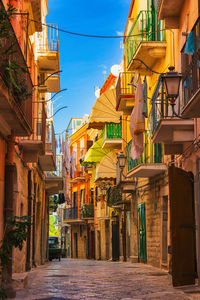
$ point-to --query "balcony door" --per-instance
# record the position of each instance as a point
(182, 226)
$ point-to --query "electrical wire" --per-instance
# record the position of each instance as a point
(95, 36)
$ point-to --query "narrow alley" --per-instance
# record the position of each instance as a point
(89, 279)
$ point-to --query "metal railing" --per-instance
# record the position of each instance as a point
(123, 87)
(48, 39)
(112, 131)
(160, 107)
(153, 153)
(190, 66)
(70, 213)
(146, 27)
(14, 71)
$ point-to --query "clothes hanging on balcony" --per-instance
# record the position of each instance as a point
(189, 47)
(73, 164)
(139, 121)
(67, 156)
(145, 108)
(137, 140)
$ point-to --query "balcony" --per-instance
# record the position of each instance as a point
(191, 78)
(48, 160)
(112, 136)
(15, 86)
(53, 183)
(34, 145)
(146, 41)
(150, 163)
(166, 127)
(169, 11)
(88, 211)
(49, 83)
(48, 50)
(70, 215)
(114, 196)
(125, 93)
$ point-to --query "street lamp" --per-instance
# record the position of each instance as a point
(172, 82)
(121, 160)
(104, 190)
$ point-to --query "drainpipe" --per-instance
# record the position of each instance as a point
(198, 218)
(137, 223)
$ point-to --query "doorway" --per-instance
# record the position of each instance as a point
(75, 245)
(107, 234)
(115, 240)
(142, 233)
(182, 226)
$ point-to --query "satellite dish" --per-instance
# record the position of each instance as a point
(97, 93)
(115, 70)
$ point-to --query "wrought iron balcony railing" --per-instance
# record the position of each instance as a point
(146, 27)
(153, 153)
(49, 41)
(123, 87)
(112, 131)
(70, 213)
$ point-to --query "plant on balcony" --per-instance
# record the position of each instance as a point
(16, 85)
(113, 196)
(12, 71)
(88, 211)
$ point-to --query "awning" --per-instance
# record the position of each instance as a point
(106, 169)
(103, 111)
(95, 153)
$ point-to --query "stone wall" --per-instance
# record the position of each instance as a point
(81, 232)
(153, 212)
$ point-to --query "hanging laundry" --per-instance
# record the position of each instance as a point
(137, 147)
(189, 47)
(73, 163)
(139, 121)
(59, 142)
(145, 105)
(67, 156)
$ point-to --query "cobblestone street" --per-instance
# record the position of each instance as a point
(87, 279)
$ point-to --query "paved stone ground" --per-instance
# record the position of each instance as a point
(89, 279)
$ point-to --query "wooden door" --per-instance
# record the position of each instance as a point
(75, 245)
(115, 240)
(182, 226)
(142, 233)
(92, 244)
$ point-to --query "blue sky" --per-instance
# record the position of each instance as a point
(84, 61)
